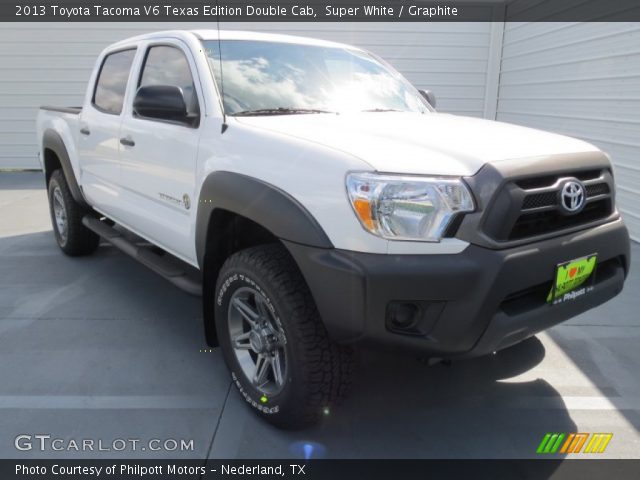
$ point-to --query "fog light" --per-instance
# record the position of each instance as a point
(402, 315)
(417, 317)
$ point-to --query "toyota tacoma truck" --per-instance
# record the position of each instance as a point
(316, 200)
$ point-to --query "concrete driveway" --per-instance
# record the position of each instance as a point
(100, 348)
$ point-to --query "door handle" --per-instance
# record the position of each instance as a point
(85, 131)
(127, 141)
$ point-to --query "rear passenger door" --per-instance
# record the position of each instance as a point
(99, 129)
(158, 156)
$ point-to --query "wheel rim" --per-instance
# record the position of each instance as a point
(60, 214)
(257, 340)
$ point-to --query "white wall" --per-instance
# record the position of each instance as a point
(50, 63)
(580, 79)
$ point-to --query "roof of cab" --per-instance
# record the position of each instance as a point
(232, 35)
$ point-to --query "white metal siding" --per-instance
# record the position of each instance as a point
(50, 63)
(580, 79)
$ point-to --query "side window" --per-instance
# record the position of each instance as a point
(112, 81)
(166, 65)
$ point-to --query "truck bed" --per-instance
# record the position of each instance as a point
(64, 122)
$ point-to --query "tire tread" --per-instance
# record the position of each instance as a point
(327, 366)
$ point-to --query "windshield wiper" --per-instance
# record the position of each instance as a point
(381, 110)
(278, 111)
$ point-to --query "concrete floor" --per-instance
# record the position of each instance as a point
(101, 348)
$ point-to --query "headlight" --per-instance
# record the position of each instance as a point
(406, 207)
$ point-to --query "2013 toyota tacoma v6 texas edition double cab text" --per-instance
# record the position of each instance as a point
(316, 200)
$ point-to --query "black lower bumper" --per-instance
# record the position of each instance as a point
(465, 304)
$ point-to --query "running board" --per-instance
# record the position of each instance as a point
(172, 271)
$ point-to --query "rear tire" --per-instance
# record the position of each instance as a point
(262, 286)
(72, 236)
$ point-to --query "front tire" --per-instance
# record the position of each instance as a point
(72, 236)
(273, 340)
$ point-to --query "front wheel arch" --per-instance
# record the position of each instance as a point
(262, 203)
(228, 233)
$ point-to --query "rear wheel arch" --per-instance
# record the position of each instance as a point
(51, 163)
(56, 157)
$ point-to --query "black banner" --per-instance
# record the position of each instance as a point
(582, 469)
(321, 11)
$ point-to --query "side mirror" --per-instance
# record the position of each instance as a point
(164, 102)
(429, 97)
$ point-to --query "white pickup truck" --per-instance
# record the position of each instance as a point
(316, 200)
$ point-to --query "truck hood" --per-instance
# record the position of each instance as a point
(413, 143)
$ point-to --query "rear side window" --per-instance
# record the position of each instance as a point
(166, 65)
(112, 81)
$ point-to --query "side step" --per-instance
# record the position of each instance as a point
(171, 270)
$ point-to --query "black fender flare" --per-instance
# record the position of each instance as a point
(263, 203)
(51, 140)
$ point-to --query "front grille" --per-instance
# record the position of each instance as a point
(597, 189)
(548, 180)
(538, 223)
(539, 200)
(530, 207)
(550, 199)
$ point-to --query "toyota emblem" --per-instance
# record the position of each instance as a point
(572, 197)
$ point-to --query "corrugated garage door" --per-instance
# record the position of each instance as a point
(583, 80)
(50, 63)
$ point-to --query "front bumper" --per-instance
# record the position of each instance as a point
(471, 303)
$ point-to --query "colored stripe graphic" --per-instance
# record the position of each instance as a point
(567, 443)
(598, 442)
(543, 443)
(608, 437)
(556, 445)
(550, 443)
(573, 443)
(577, 443)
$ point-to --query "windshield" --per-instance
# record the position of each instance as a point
(283, 78)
